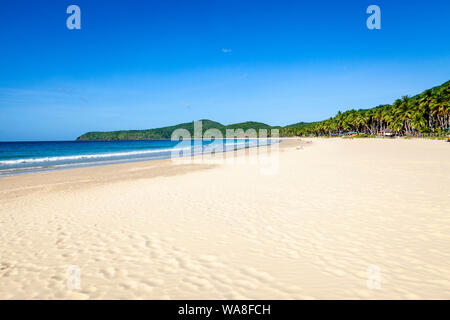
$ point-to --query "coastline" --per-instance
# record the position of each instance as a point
(193, 231)
(102, 154)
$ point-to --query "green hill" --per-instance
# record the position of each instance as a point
(166, 132)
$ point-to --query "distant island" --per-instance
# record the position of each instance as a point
(427, 113)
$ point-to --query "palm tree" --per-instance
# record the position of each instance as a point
(424, 113)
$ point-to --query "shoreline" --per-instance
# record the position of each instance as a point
(110, 158)
(128, 170)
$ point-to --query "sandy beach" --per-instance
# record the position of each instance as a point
(337, 215)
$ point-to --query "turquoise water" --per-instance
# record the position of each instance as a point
(24, 157)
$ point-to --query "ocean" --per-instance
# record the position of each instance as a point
(25, 157)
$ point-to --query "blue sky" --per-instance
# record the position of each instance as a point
(144, 64)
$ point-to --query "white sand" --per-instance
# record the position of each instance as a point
(158, 231)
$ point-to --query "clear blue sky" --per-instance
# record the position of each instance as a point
(143, 64)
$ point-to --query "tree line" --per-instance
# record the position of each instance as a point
(425, 114)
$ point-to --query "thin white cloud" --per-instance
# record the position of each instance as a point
(226, 50)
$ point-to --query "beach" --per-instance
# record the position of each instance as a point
(338, 219)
